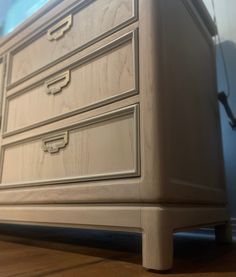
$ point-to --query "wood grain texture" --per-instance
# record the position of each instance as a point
(157, 224)
(166, 135)
(37, 16)
(73, 59)
(67, 252)
(100, 148)
(104, 75)
(157, 183)
(2, 76)
(89, 23)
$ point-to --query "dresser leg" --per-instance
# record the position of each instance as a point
(157, 240)
(223, 233)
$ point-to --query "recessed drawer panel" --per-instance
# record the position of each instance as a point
(104, 76)
(84, 25)
(102, 147)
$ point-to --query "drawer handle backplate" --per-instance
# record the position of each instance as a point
(56, 84)
(55, 143)
(59, 29)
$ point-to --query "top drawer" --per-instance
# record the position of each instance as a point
(80, 27)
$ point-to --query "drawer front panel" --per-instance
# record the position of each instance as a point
(2, 69)
(104, 76)
(1, 74)
(83, 26)
(103, 147)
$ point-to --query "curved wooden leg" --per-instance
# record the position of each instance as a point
(157, 240)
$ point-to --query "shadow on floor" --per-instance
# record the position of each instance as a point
(194, 252)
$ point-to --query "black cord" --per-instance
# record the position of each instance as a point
(222, 97)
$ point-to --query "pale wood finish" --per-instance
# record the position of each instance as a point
(147, 131)
(100, 148)
(100, 17)
(105, 44)
(185, 117)
(153, 127)
(190, 102)
(157, 224)
(107, 75)
(2, 75)
(30, 21)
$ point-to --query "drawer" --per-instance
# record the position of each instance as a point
(102, 77)
(86, 23)
(1, 74)
(2, 69)
(103, 147)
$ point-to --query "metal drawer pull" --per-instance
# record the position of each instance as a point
(59, 29)
(55, 143)
(56, 84)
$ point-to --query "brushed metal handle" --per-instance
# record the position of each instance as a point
(59, 29)
(57, 83)
(53, 144)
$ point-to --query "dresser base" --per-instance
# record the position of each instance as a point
(156, 223)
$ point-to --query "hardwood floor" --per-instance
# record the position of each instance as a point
(40, 251)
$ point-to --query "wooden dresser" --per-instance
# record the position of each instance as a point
(110, 121)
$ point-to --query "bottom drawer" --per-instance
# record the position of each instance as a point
(103, 147)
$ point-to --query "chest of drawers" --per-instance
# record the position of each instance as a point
(110, 121)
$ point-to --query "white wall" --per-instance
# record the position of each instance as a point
(226, 19)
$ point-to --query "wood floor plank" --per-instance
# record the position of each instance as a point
(36, 252)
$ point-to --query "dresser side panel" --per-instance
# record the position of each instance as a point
(190, 108)
(152, 155)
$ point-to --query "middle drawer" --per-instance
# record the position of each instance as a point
(102, 77)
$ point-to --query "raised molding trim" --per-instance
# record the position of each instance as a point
(45, 9)
(205, 16)
(130, 110)
(116, 217)
(2, 80)
(192, 11)
(130, 36)
(43, 30)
